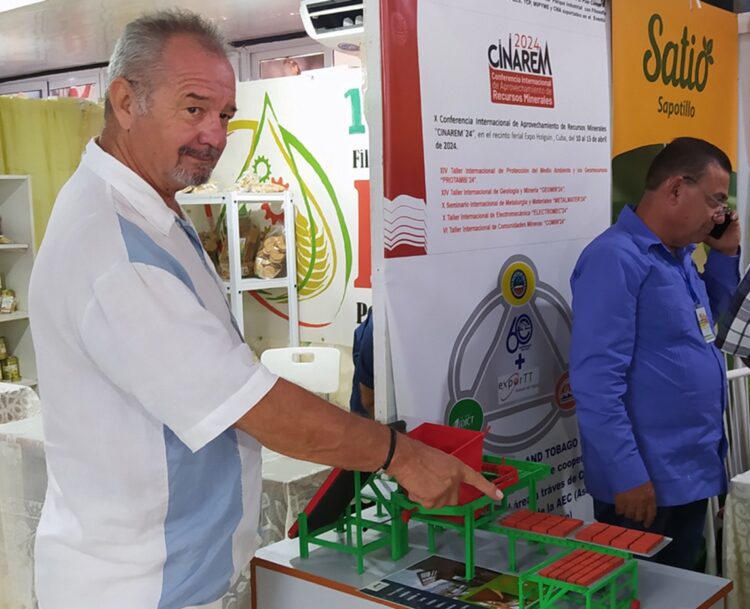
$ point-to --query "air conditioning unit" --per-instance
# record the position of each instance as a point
(338, 24)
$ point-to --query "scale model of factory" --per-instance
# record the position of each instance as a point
(592, 566)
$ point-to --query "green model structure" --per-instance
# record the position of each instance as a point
(596, 568)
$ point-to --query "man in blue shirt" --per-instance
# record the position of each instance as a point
(362, 401)
(649, 384)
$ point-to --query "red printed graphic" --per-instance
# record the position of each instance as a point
(520, 89)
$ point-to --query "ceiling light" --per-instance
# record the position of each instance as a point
(9, 5)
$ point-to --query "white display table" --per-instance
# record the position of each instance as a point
(288, 484)
(737, 540)
(23, 480)
(327, 580)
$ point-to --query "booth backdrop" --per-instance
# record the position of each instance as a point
(496, 145)
(308, 133)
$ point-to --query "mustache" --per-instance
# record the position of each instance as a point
(208, 154)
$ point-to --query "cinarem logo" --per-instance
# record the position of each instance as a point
(521, 72)
(680, 63)
(522, 53)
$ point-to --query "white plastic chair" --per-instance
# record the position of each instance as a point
(314, 368)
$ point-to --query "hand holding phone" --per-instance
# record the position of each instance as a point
(720, 228)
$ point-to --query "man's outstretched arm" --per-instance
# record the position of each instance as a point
(293, 421)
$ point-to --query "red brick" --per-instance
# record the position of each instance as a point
(576, 570)
(628, 537)
(606, 565)
(534, 518)
(607, 535)
(562, 562)
(588, 532)
(566, 526)
(646, 542)
(546, 524)
(511, 519)
(595, 574)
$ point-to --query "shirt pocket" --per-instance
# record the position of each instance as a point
(665, 315)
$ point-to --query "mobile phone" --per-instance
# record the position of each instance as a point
(719, 229)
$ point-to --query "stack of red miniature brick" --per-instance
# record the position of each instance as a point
(602, 534)
(581, 567)
(620, 537)
(538, 522)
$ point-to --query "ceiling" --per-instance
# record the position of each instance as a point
(58, 34)
(64, 34)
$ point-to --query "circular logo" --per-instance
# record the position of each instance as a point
(519, 334)
(466, 414)
(563, 394)
(518, 283)
(524, 329)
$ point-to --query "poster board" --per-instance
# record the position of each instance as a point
(495, 176)
(674, 74)
(308, 133)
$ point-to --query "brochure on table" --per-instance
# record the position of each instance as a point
(437, 583)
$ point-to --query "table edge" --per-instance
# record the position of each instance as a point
(723, 593)
(312, 578)
(334, 585)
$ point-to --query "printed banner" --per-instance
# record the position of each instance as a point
(480, 240)
(308, 133)
(674, 74)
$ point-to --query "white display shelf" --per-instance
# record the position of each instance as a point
(27, 382)
(16, 262)
(250, 284)
(219, 198)
(236, 284)
(15, 316)
(13, 247)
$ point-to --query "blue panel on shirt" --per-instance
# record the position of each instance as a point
(205, 507)
(205, 492)
(142, 248)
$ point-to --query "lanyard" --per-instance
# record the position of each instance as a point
(693, 295)
(704, 323)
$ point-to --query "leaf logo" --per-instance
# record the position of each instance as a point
(324, 248)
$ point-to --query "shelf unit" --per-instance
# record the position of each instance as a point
(237, 285)
(16, 262)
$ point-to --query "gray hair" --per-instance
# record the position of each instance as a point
(137, 54)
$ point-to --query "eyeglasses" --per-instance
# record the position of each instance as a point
(717, 202)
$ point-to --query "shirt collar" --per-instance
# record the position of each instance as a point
(139, 194)
(642, 235)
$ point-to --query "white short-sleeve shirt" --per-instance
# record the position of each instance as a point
(153, 497)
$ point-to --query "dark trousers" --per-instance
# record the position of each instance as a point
(683, 523)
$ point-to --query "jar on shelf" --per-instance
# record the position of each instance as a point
(3, 348)
(7, 301)
(10, 369)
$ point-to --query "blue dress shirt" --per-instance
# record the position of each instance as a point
(650, 391)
